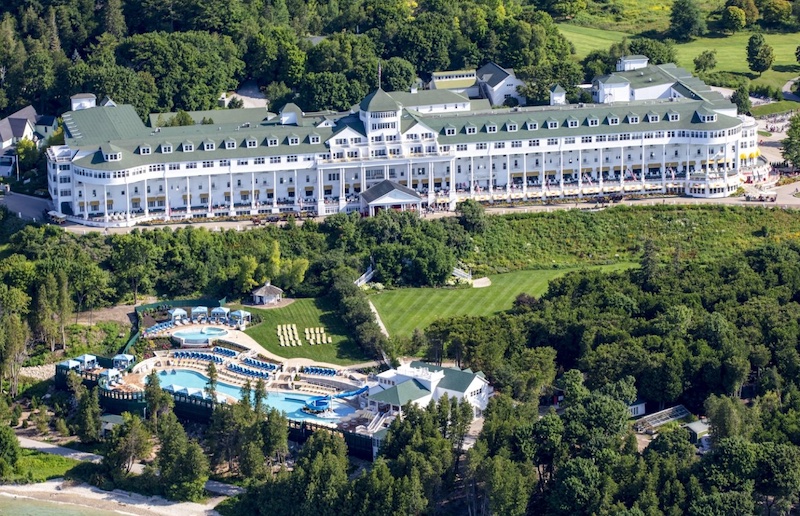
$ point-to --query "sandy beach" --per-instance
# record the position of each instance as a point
(121, 502)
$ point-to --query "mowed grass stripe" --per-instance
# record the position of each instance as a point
(403, 310)
(307, 313)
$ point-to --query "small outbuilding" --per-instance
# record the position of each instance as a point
(267, 295)
(87, 362)
(123, 361)
(697, 430)
(177, 313)
(220, 314)
(388, 195)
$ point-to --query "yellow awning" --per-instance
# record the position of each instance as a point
(743, 156)
(246, 192)
(136, 199)
(758, 152)
(752, 155)
(309, 189)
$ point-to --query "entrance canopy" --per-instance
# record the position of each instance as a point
(389, 195)
(177, 313)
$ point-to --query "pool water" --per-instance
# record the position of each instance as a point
(202, 334)
(291, 404)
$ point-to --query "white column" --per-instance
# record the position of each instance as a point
(253, 192)
(561, 171)
(490, 186)
(622, 166)
(319, 191)
(431, 193)
(275, 191)
(580, 174)
(363, 178)
(86, 203)
(342, 198)
(231, 207)
(525, 175)
(105, 203)
(210, 197)
(297, 192)
(508, 177)
(600, 177)
(188, 199)
(146, 202)
(664, 168)
(471, 177)
(167, 209)
(644, 162)
(127, 198)
(453, 192)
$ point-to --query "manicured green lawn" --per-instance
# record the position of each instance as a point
(42, 466)
(403, 310)
(776, 107)
(307, 313)
(731, 51)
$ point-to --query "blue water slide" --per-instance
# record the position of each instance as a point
(323, 403)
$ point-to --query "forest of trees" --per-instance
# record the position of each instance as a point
(164, 56)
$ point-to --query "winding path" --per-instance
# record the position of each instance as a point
(788, 94)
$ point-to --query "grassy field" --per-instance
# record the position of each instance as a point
(731, 51)
(403, 310)
(307, 313)
(42, 466)
(776, 107)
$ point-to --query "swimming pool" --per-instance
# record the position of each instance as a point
(199, 336)
(291, 404)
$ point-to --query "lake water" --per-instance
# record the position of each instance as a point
(28, 507)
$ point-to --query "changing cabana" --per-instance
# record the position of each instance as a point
(70, 364)
(240, 315)
(87, 362)
(220, 314)
(177, 313)
(199, 312)
(122, 361)
(171, 388)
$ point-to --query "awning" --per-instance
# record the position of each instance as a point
(328, 187)
(94, 203)
(309, 189)
(743, 156)
(244, 192)
(184, 196)
(136, 199)
(269, 190)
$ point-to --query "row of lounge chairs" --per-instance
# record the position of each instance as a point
(158, 328)
(258, 363)
(248, 372)
(225, 352)
(321, 371)
(198, 356)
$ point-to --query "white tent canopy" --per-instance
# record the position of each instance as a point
(241, 315)
(177, 313)
(199, 310)
(172, 388)
(72, 364)
(87, 362)
(110, 373)
(123, 360)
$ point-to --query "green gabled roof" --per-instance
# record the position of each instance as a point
(454, 379)
(401, 394)
(96, 125)
(379, 100)
(556, 88)
(109, 148)
(220, 116)
(612, 79)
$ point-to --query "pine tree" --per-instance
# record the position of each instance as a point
(760, 56)
(791, 144)
(89, 413)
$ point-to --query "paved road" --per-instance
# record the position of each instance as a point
(788, 92)
(29, 207)
(212, 486)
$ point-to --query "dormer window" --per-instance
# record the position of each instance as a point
(512, 128)
(552, 124)
(674, 117)
(491, 128)
(272, 142)
(252, 143)
(613, 120)
(471, 130)
(593, 122)
(450, 131)
(116, 156)
(532, 126)
(208, 146)
(188, 147)
(653, 118)
(313, 138)
(709, 118)
(633, 119)
(230, 144)
(572, 123)
(294, 140)
(166, 148)
(144, 150)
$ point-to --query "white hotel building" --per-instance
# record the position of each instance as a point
(652, 129)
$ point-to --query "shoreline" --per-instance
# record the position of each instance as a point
(58, 491)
